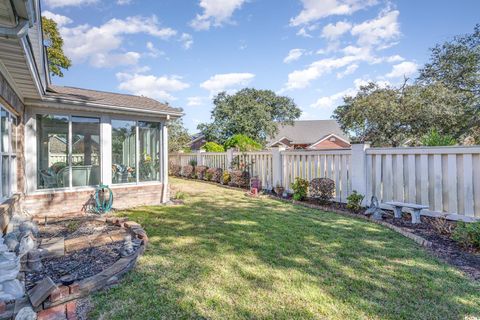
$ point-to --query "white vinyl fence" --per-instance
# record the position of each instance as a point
(447, 179)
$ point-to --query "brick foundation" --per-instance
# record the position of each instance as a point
(68, 202)
(7, 208)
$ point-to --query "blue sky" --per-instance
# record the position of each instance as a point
(315, 51)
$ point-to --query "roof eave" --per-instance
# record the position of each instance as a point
(49, 102)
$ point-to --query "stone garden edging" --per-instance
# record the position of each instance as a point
(61, 302)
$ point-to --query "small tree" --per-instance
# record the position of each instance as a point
(57, 60)
(178, 137)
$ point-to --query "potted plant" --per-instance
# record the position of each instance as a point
(279, 189)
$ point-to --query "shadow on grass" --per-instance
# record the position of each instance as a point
(223, 255)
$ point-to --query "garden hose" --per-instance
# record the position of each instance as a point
(102, 205)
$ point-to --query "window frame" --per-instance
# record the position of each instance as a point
(137, 152)
(10, 153)
(70, 150)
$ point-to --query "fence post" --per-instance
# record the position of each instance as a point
(229, 158)
(199, 157)
(358, 168)
(277, 171)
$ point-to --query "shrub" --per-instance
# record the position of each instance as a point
(239, 178)
(300, 189)
(188, 171)
(242, 143)
(213, 147)
(180, 195)
(322, 189)
(436, 139)
(214, 174)
(467, 234)
(200, 172)
(174, 169)
(208, 175)
(226, 177)
(193, 162)
(354, 201)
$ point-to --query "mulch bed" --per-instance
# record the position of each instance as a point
(73, 228)
(443, 247)
(80, 264)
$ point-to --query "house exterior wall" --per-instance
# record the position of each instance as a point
(57, 202)
(10, 100)
(53, 204)
(328, 144)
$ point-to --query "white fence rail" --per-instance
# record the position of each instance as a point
(447, 179)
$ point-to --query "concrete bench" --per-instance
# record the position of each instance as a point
(416, 209)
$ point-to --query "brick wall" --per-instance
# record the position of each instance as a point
(70, 202)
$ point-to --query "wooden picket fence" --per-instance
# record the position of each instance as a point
(447, 179)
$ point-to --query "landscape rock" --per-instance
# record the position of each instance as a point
(26, 313)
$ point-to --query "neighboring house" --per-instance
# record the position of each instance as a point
(198, 141)
(310, 135)
(40, 120)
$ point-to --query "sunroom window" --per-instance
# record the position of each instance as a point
(135, 151)
(124, 141)
(64, 159)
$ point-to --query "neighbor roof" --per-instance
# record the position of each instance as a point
(109, 98)
(308, 131)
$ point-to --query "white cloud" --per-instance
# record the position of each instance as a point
(151, 86)
(85, 43)
(123, 2)
(403, 69)
(348, 70)
(153, 51)
(330, 102)
(221, 82)
(336, 99)
(293, 55)
(332, 31)
(379, 31)
(58, 18)
(186, 40)
(395, 58)
(215, 13)
(196, 101)
(112, 60)
(300, 79)
(67, 3)
(314, 10)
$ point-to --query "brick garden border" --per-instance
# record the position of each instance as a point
(62, 301)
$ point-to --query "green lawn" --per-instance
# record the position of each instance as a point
(226, 256)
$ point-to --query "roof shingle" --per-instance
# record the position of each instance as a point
(109, 98)
(308, 131)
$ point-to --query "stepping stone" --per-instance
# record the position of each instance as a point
(41, 291)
